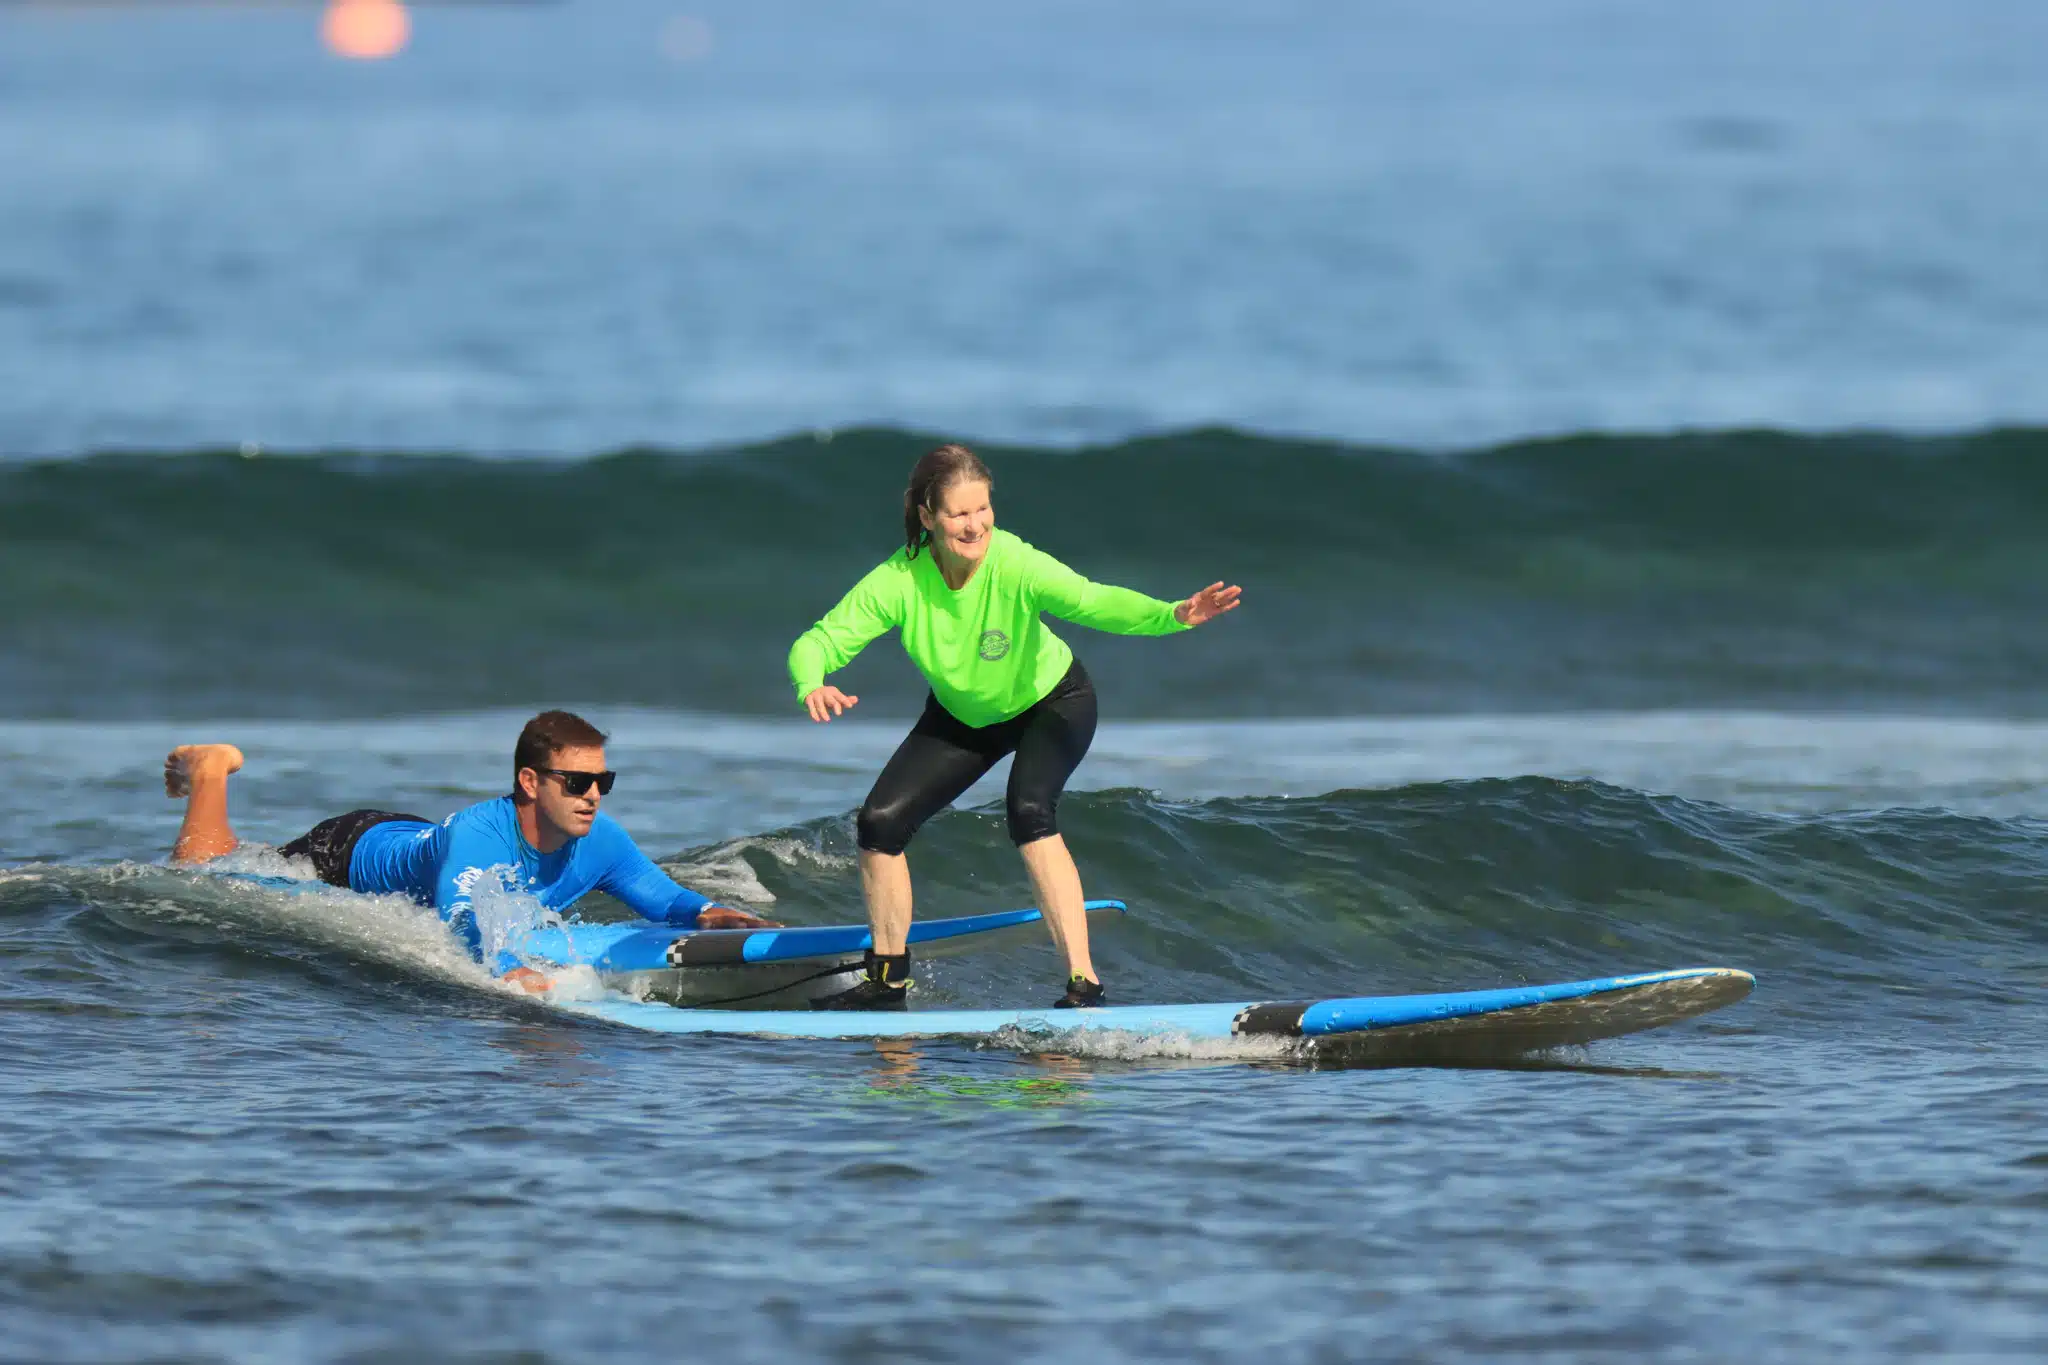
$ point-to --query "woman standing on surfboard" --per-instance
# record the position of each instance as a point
(967, 599)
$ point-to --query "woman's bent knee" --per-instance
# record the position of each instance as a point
(883, 829)
(1032, 820)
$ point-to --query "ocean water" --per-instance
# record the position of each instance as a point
(1442, 224)
(1739, 570)
(1624, 422)
(245, 1125)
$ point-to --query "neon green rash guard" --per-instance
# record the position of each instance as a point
(983, 649)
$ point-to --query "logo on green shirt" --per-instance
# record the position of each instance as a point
(994, 645)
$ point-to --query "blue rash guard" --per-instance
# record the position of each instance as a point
(440, 865)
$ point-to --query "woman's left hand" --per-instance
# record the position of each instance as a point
(1208, 604)
(725, 917)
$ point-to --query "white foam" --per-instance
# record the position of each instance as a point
(1120, 1045)
(392, 929)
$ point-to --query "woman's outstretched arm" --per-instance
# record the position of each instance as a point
(872, 607)
(1121, 611)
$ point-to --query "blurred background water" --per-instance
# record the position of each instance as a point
(1624, 420)
(570, 227)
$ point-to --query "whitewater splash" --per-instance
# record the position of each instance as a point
(389, 931)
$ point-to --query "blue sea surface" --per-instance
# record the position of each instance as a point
(246, 1124)
(1625, 421)
(1445, 223)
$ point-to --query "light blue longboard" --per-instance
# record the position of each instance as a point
(1462, 1025)
(792, 966)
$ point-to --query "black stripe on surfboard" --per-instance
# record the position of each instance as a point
(710, 948)
(727, 1002)
(1268, 1021)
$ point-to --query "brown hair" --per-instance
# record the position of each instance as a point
(550, 732)
(930, 477)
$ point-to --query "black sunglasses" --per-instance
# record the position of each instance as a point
(575, 783)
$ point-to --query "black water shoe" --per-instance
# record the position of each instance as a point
(1082, 994)
(886, 986)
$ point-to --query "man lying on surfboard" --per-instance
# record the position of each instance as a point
(546, 839)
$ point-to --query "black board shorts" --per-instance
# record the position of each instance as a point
(332, 843)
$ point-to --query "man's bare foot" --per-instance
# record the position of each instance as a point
(194, 762)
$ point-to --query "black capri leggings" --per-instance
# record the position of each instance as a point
(942, 757)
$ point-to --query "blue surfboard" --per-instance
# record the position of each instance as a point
(1460, 1025)
(641, 947)
(757, 968)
